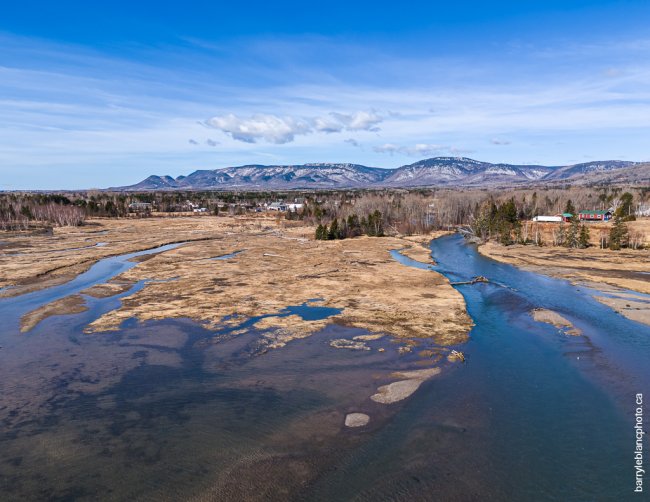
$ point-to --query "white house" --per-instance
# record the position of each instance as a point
(548, 219)
(277, 206)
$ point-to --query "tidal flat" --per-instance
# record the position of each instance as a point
(109, 373)
(301, 370)
(274, 266)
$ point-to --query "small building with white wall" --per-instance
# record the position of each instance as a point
(549, 219)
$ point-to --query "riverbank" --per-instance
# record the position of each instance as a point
(617, 273)
(31, 261)
(277, 266)
(168, 409)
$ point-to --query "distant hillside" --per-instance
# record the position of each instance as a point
(588, 168)
(462, 171)
(272, 177)
(438, 171)
(638, 174)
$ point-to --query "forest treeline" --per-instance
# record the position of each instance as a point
(352, 226)
(488, 214)
(504, 223)
(18, 212)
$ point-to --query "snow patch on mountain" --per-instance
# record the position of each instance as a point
(437, 171)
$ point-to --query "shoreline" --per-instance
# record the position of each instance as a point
(615, 273)
(279, 267)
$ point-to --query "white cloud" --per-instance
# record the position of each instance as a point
(327, 124)
(280, 130)
(353, 142)
(271, 128)
(427, 149)
(418, 150)
(359, 121)
(211, 142)
(499, 141)
(386, 148)
(76, 108)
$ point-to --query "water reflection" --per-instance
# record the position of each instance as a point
(169, 410)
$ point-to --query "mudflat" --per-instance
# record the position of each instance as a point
(279, 264)
(35, 260)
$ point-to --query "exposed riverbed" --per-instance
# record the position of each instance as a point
(169, 410)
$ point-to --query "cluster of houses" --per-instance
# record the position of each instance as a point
(282, 206)
(187, 206)
(140, 207)
(145, 207)
(596, 215)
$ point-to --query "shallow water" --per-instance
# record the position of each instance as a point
(227, 256)
(310, 312)
(168, 410)
(12, 308)
(395, 253)
(556, 410)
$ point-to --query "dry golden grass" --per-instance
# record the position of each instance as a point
(74, 304)
(281, 265)
(622, 268)
(596, 230)
(599, 268)
(280, 269)
(29, 262)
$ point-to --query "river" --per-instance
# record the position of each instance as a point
(168, 410)
(534, 414)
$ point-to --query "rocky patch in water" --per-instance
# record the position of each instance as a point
(400, 390)
(552, 317)
(356, 419)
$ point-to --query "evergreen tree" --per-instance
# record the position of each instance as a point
(370, 226)
(481, 224)
(321, 233)
(110, 208)
(364, 225)
(626, 209)
(334, 230)
(561, 235)
(583, 238)
(375, 224)
(618, 235)
(26, 212)
(570, 208)
(505, 234)
(354, 227)
(573, 234)
(508, 212)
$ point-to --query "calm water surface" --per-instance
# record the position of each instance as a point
(171, 411)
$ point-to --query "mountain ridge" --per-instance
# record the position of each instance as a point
(436, 171)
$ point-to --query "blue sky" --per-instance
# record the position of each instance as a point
(102, 95)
